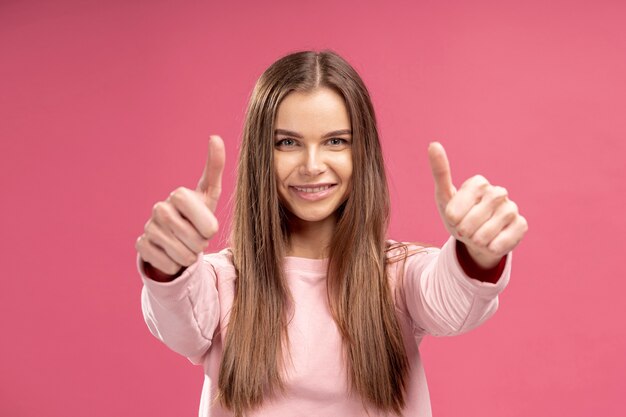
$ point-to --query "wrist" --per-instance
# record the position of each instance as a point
(481, 259)
(158, 275)
(475, 270)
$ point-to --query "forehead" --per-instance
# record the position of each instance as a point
(313, 112)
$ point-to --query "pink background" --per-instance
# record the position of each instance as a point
(106, 107)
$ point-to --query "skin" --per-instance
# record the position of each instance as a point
(311, 154)
(479, 214)
(180, 227)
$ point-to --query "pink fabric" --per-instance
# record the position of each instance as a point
(436, 298)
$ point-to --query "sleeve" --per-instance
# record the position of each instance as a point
(441, 299)
(183, 313)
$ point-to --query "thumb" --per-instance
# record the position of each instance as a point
(210, 184)
(444, 189)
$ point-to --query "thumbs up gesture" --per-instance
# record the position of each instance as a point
(479, 214)
(180, 227)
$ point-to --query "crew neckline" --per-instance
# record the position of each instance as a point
(306, 264)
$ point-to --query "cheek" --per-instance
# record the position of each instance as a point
(284, 166)
(279, 169)
(345, 167)
(281, 190)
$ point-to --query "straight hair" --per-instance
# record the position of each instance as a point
(359, 293)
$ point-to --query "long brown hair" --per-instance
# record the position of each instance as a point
(358, 291)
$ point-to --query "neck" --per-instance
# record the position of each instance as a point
(310, 239)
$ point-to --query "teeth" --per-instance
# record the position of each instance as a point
(313, 190)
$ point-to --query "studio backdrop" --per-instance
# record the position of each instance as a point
(106, 107)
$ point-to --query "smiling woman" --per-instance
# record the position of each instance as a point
(313, 163)
(312, 311)
(311, 120)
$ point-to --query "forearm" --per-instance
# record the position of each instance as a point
(443, 298)
(182, 312)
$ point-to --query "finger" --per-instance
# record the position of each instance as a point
(510, 237)
(481, 212)
(440, 167)
(178, 227)
(156, 257)
(192, 208)
(470, 194)
(174, 248)
(188, 235)
(504, 215)
(210, 184)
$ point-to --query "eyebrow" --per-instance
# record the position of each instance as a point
(299, 136)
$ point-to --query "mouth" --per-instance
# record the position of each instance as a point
(313, 192)
(313, 188)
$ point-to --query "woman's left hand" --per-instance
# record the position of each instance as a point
(479, 214)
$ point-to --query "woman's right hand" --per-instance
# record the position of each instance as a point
(180, 227)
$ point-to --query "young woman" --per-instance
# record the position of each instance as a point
(312, 311)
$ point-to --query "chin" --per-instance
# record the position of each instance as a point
(312, 216)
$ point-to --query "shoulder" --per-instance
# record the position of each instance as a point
(408, 258)
(402, 259)
(398, 252)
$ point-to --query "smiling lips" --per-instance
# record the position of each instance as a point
(313, 192)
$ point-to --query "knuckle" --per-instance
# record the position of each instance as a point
(149, 234)
(494, 249)
(510, 216)
(178, 194)
(451, 215)
(480, 180)
(150, 226)
(509, 213)
(462, 229)
(158, 209)
(512, 206)
(154, 235)
(524, 223)
(478, 239)
(163, 213)
(179, 191)
(500, 192)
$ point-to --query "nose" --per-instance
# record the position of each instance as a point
(314, 163)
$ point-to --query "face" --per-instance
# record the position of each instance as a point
(312, 154)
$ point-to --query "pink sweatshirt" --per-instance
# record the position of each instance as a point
(437, 298)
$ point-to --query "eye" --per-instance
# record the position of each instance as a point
(285, 143)
(338, 141)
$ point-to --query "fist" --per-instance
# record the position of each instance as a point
(479, 214)
(180, 227)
